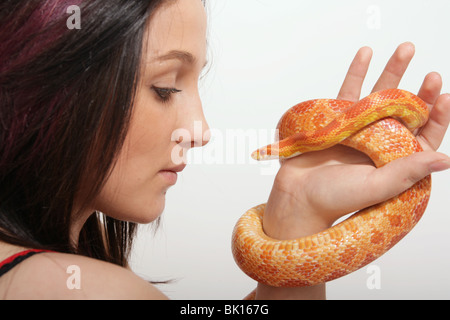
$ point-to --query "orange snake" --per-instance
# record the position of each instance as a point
(368, 126)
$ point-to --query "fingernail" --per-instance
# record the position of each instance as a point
(440, 165)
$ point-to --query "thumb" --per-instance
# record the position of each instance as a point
(399, 175)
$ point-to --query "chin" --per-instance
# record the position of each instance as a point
(144, 213)
(146, 219)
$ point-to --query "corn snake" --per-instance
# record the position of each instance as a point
(379, 125)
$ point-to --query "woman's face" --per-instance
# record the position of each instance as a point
(166, 112)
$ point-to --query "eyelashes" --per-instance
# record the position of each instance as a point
(164, 94)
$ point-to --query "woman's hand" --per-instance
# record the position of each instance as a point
(302, 187)
(315, 189)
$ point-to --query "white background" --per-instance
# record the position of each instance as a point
(267, 56)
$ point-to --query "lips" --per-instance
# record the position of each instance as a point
(171, 174)
(176, 169)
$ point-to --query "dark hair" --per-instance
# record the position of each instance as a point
(65, 101)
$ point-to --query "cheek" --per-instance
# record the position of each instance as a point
(125, 203)
(149, 134)
(135, 190)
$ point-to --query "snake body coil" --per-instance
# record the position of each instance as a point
(370, 127)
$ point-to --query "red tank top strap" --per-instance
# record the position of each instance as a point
(15, 259)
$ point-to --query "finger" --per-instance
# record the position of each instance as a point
(368, 184)
(433, 132)
(398, 176)
(431, 88)
(396, 67)
(429, 93)
(351, 88)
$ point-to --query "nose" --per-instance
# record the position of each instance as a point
(197, 134)
(201, 134)
(193, 129)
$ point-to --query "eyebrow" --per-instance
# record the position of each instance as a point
(183, 56)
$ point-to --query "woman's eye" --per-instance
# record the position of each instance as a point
(164, 94)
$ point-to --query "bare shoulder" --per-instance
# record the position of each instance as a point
(66, 276)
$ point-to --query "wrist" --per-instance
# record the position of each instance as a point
(289, 216)
(265, 292)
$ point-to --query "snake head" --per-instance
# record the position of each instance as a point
(266, 153)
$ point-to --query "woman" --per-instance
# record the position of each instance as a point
(87, 144)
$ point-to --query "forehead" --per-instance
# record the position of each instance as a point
(177, 26)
